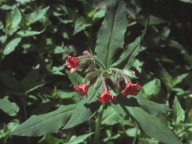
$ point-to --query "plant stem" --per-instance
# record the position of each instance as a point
(100, 63)
(98, 125)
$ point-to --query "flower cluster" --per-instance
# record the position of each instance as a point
(110, 80)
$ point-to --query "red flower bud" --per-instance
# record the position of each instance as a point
(72, 63)
(105, 97)
(82, 89)
(131, 89)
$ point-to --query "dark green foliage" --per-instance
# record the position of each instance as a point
(150, 41)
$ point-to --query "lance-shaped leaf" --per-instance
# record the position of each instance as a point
(179, 113)
(83, 112)
(130, 52)
(152, 107)
(38, 125)
(111, 34)
(152, 126)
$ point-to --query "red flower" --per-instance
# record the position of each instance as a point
(105, 97)
(131, 89)
(82, 89)
(72, 63)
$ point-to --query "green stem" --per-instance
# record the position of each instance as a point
(98, 125)
(99, 62)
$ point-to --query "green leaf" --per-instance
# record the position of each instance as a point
(8, 107)
(10, 81)
(51, 139)
(10, 47)
(130, 52)
(186, 1)
(83, 112)
(110, 37)
(78, 139)
(179, 113)
(31, 77)
(28, 33)
(37, 15)
(153, 20)
(38, 125)
(111, 117)
(152, 107)
(75, 78)
(80, 24)
(23, 1)
(32, 81)
(152, 126)
(13, 20)
(151, 88)
(179, 79)
(166, 77)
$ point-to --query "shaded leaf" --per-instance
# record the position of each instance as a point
(10, 81)
(186, 1)
(153, 20)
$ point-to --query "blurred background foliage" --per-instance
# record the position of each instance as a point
(37, 35)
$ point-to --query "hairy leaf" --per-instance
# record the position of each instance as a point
(38, 125)
(111, 34)
(83, 111)
(130, 52)
(111, 117)
(152, 107)
(152, 126)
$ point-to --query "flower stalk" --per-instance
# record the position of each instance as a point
(98, 125)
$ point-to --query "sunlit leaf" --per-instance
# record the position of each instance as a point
(111, 34)
(38, 125)
(78, 139)
(10, 47)
(152, 126)
(12, 21)
(8, 107)
(83, 111)
(179, 113)
(151, 88)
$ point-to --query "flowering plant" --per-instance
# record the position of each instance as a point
(107, 88)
